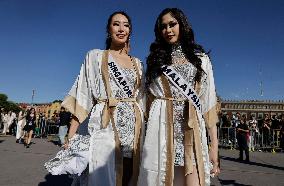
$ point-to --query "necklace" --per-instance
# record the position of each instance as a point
(177, 54)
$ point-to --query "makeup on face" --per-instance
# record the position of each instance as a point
(170, 28)
(119, 29)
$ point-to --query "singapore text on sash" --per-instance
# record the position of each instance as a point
(120, 77)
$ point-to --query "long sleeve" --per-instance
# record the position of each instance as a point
(209, 97)
(79, 100)
(141, 97)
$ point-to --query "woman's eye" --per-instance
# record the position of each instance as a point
(163, 26)
(172, 24)
(115, 24)
(127, 25)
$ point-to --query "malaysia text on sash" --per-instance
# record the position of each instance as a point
(187, 90)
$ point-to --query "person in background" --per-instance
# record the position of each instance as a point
(242, 133)
(42, 125)
(1, 117)
(20, 125)
(12, 123)
(266, 130)
(64, 120)
(254, 132)
(30, 126)
(5, 119)
(275, 122)
(282, 133)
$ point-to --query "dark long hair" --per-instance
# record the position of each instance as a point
(28, 117)
(160, 50)
(108, 38)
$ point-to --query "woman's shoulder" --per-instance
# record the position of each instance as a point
(136, 58)
(138, 61)
(205, 61)
(204, 57)
(92, 57)
(95, 52)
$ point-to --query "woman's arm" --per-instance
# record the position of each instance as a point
(213, 153)
(73, 127)
(74, 124)
(213, 137)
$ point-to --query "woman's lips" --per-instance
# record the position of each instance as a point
(120, 36)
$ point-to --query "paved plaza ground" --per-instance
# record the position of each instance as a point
(24, 167)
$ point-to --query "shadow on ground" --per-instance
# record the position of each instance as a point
(51, 180)
(231, 182)
(252, 163)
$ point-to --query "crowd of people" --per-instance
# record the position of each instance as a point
(28, 124)
(261, 133)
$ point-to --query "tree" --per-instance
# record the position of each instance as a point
(8, 105)
(3, 99)
(57, 101)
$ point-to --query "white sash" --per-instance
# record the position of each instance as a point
(120, 77)
(186, 89)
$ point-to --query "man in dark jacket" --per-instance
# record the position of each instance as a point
(242, 134)
(64, 120)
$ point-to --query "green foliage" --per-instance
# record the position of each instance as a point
(8, 105)
(57, 101)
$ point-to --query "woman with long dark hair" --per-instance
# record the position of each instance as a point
(29, 128)
(181, 83)
(110, 88)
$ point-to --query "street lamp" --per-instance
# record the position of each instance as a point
(33, 94)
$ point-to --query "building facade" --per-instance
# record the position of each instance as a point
(253, 108)
(48, 109)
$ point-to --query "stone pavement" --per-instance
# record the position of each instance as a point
(264, 169)
(20, 166)
(24, 167)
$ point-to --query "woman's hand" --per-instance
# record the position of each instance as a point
(66, 145)
(72, 131)
(213, 157)
(213, 153)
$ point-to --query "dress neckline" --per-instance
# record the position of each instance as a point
(112, 59)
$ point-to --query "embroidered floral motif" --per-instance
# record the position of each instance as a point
(125, 117)
(64, 158)
(187, 71)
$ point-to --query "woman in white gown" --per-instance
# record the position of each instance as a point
(180, 78)
(6, 118)
(110, 89)
(20, 125)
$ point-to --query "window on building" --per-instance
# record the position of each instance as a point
(260, 116)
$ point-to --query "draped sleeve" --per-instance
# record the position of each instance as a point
(141, 97)
(79, 100)
(208, 93)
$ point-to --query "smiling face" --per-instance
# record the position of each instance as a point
(170, 29)
(119, 29)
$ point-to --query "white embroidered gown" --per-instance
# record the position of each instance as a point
(96, 150)
(153, 165)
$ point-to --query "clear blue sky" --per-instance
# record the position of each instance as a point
(44, 42)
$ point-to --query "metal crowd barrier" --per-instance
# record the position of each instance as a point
(52, 131)
(227, 137)
(269, 141)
